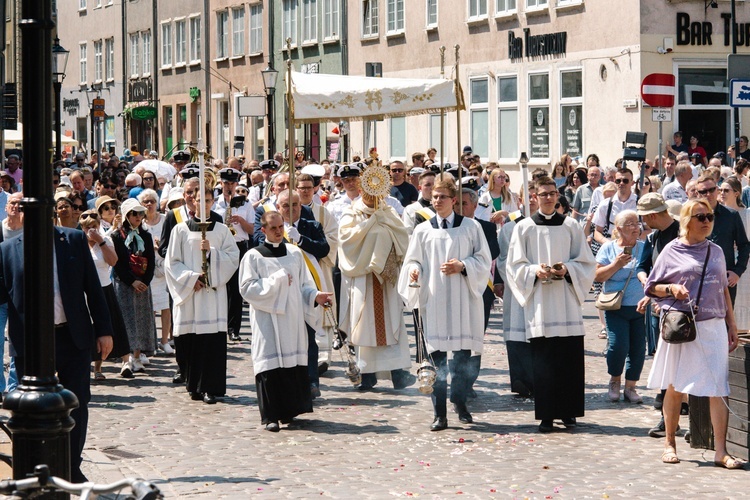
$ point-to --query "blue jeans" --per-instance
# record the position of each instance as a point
(626, 331)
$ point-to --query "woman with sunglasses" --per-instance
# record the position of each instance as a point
(148, 181)
(153, 223)
(67, 210)
(111, 219)
(104, 255)
(133, 274)
(700, 367)
(730, 195)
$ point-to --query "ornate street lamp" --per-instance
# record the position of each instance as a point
(269, 84)
(59, 63)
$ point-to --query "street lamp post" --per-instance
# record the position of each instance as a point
(59, 63)
(269, 84)
(524, 161)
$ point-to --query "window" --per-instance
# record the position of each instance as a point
(146, 36)
(134, 60)
(180, 41)
(535, 4)
(166, 44)
(480, 117)
(238, 31)
(98, 63)
(110, 51)
(432, 13)
(195, 39)
(566, 3)
(81, 4)
(370, 18)
(505, 7)
(331, 19)
(395, 15)
(289, 21)
(477, 9)
(97, 4)
(435, 134)
(309, 21)
(256, 29)
(82, 67)
(707, 86)
(507, 117)
(571, 112)
(539, 115)
(398, 137)
(222, 34)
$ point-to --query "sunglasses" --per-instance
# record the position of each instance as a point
(397, 170)
(704, 217)
(646, 183)
(79, 208)
(108, 207)
(139, 214)
(149, 178)
(109, 186)
(704, 192)
(623, 181)
(92, 216)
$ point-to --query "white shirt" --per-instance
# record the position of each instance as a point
(600, 218)
(675, 191)
(246, 211)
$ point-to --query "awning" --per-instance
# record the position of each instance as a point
(13, 138)
(334, 97)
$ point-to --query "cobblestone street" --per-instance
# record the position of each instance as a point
(378, 445)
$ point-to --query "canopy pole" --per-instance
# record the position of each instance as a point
(458, 138)
(290, 121)
(442, 115)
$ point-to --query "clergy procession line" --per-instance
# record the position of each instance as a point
(329, 258)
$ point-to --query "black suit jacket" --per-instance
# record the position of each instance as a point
(170, 222)
(490, 232)
(312, 238)
(81, 291)
(258, 237)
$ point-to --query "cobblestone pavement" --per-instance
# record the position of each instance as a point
(378, 445)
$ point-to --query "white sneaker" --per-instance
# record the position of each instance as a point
(144, 360)
(136, 364)
(126, 371)
(166, 348)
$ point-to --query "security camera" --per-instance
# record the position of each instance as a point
(661, 50)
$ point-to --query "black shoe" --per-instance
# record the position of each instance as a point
(196, 396)
(272, 427)
(235, 337)
(472, 394)
(685, 409)
(287, 421)
(178, 378)
(339, 340)
(659, 401)
(322, 368)
(404, 380)
(546, 426)
(439, 424)
(209, 399)
(314, 391)
(463, 413)
(659, 430)
(687, 435)
(369, 380)
(569, 423)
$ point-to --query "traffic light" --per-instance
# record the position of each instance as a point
(9, 115)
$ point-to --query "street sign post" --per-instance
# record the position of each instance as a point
(657, 90)
(661, 114)
(98, 110)
(739, 93)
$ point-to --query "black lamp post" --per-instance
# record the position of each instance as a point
(269, 84)
(59, 63)
(40, 408)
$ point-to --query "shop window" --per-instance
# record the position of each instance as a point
(571, 112)
(398, 137)
(707, 86)
(539, 115)
(479, 116)
(507, 117)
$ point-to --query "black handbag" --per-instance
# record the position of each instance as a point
(678, 327)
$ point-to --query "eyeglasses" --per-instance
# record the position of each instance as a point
(704, 217)
(623, 181)
(397, 170)
(107, 206)
(646, 183)
(547, 194)
(91, 215)
(77, 207)
(243, 192)
(148, 201)
(438, 197)
(162, 184)
(704, 192)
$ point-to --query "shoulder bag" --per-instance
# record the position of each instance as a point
(678, 327)
(612, 301)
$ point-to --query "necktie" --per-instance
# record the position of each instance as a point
(191, 213)
(445, 224)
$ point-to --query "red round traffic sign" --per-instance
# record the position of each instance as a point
(657, 90)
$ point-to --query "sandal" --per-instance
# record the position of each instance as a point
(603, 333)
(670, 456)
(729, 462)
(99, 376)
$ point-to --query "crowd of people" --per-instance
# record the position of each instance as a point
(330, 257)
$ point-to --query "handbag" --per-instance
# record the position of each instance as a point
(138, 264)
(678, 327)
(612, 301)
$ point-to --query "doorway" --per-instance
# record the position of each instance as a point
(711, 126)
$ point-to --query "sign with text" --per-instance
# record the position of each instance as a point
(539, 131)
(661, 114)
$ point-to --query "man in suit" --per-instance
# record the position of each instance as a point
(74, 310)
(308, 236)
(280, 184)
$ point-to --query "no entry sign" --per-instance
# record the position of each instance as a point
(657, 90)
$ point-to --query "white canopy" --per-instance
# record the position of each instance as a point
(334, 97)
(12, 138)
